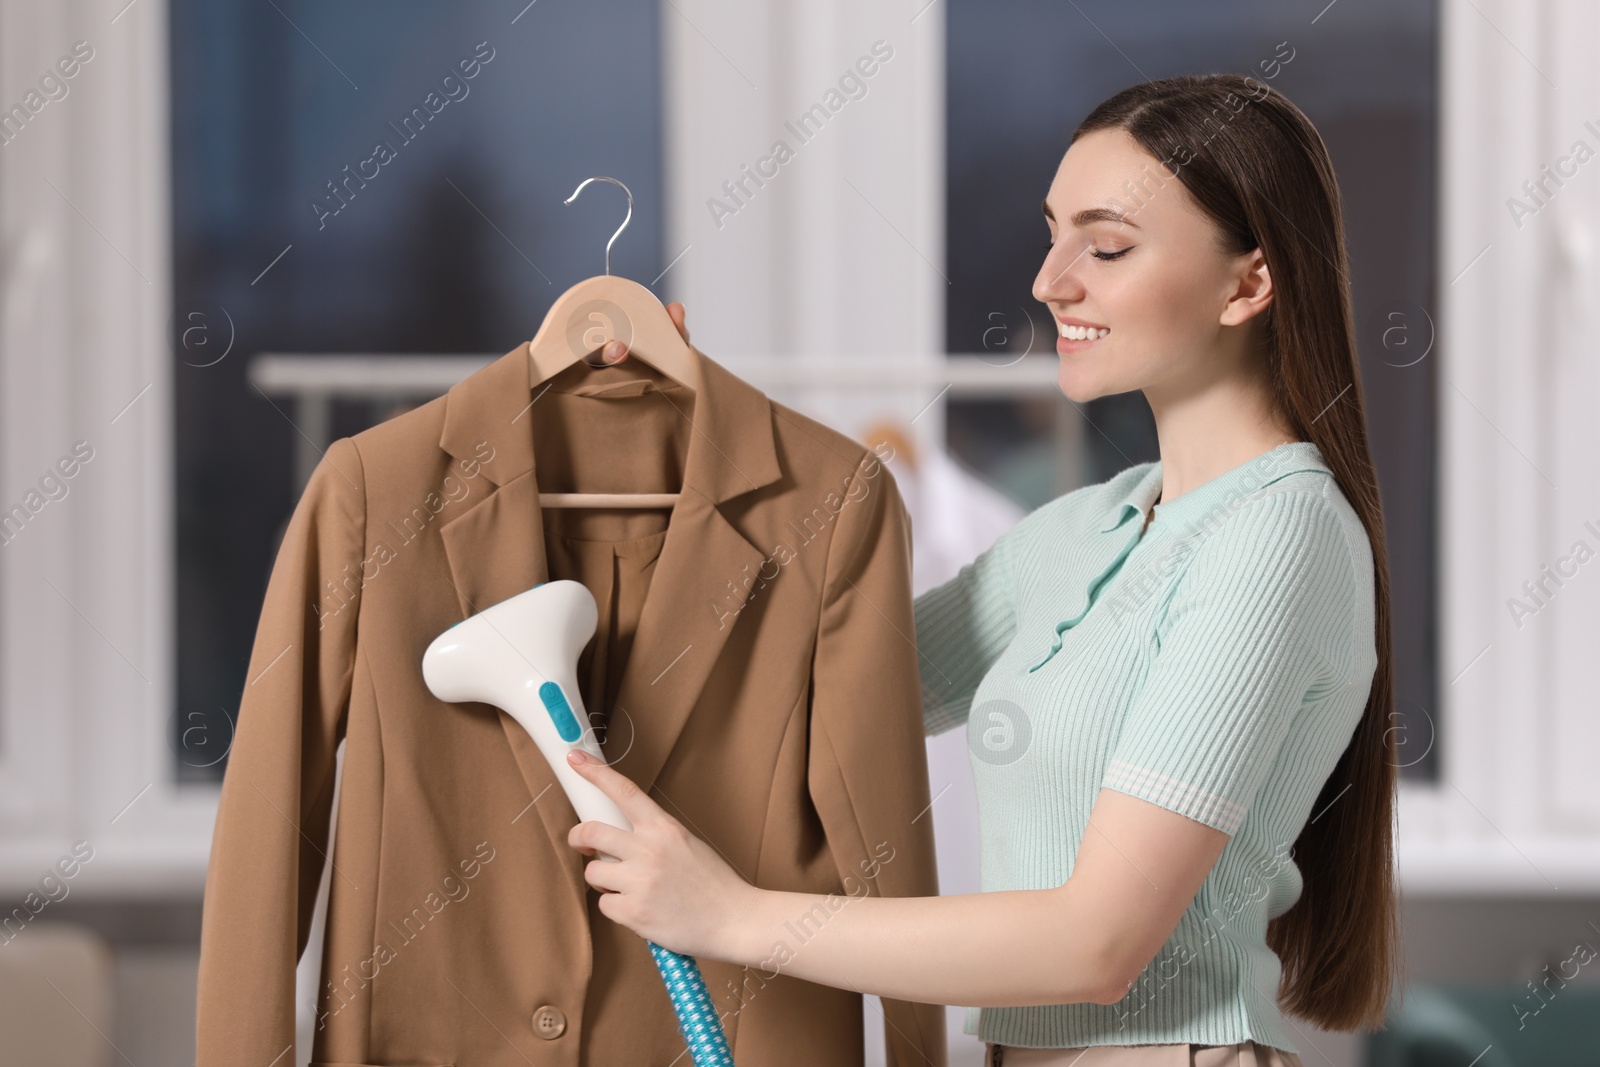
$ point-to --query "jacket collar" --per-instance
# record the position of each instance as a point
(496, 549)
(731, 450)
(1144, 485)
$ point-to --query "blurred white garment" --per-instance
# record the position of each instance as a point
(954, 515)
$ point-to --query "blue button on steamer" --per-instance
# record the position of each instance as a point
(555, 702)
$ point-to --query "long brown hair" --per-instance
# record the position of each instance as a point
(1253, 162)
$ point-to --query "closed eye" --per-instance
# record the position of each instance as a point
(1103, 256)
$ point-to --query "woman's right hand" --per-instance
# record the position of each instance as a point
(617, 351)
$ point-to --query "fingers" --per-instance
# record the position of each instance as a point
(603, 876)
(679, 315)
(595, 836)
(616, 351)
(633, 801)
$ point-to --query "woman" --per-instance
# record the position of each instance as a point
(1176, 683)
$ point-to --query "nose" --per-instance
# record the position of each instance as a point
(1057, 280)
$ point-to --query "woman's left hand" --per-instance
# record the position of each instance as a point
(666, 885)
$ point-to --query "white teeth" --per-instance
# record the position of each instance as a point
(1082, 333)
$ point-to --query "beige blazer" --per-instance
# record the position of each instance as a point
(773, 707)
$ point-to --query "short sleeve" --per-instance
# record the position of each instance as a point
(1263, 612)
(962, 627)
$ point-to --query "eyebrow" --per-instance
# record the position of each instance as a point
(1092, 215)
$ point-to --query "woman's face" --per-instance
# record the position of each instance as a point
(1132, 254)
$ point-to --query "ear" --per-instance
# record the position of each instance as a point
(1252, 290)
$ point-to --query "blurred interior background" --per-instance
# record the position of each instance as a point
(210, 272)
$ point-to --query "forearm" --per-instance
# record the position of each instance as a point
(1002, 949)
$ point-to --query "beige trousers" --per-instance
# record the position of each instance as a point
(1244, 1054)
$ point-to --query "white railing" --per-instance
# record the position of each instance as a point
(312, 381)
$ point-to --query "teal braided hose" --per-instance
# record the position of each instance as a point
(697, 1016)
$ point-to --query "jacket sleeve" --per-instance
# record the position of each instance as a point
(271, 830)
(867, 768)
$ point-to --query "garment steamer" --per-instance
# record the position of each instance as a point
(521, 655)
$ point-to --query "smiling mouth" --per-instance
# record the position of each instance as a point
(1074, 332)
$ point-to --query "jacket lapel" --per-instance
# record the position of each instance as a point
(496, 550)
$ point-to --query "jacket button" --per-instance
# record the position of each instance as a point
(549, 1022)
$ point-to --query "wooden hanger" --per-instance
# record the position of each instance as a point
(583, 320)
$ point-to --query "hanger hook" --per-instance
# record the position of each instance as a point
(625, 220)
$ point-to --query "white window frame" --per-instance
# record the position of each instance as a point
(86, 667)
(1515, 811)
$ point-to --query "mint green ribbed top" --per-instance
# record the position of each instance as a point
(1215, 665)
